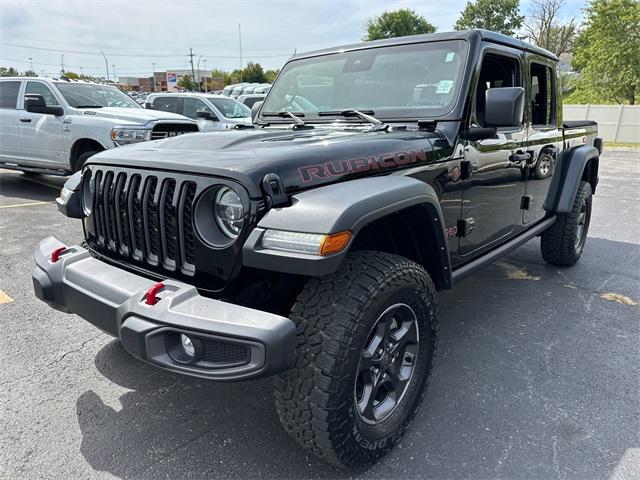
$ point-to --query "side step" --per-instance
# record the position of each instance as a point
(44, 171)
(493, 255)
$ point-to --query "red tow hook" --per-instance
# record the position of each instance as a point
(55, 255)
(151, 297)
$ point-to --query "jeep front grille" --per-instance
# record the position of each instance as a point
(145, 217)
(165, 130)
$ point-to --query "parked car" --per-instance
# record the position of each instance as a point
(237, 90)
(212, 112)
(262, 89)
(53, 126)
(312, 247)
(250, 99)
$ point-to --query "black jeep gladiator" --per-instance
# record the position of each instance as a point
(311, 246)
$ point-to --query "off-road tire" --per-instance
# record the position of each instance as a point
(334, 316)
(559, 242)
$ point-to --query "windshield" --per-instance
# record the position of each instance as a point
(230, 108)
(88, 95)
(405, 81)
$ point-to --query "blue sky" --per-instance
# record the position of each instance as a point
(135, 34)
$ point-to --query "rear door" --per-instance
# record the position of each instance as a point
(41, 134)
(545, 133)
(192, 106)
(10, 147)
(493, 192)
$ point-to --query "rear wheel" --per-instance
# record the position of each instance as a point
(563, 242)
(366, 345)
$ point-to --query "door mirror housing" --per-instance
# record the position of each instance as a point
(207, 116)
(504, 107)
(254, 110)
(35, 103)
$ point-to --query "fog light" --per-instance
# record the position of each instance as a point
(187, 345)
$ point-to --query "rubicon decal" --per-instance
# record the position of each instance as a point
(338, 168)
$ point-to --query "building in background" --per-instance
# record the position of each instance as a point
(164, 81)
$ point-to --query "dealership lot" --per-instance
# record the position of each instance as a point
(537, 375)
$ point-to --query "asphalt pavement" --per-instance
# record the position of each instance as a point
(536, 375)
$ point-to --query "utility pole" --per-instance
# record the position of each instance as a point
(153, 66)
(62, 64)
(113, 70)
(31, 63)
(81, 71)
(106, 64)
(240, 44)
(206, 87)
(193, 73)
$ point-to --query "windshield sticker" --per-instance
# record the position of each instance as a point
(450, 56)
(311, 173)
(444, 86)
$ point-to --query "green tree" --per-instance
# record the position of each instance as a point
(253, 73)
(544, 27)
(186, 83)
(607, 53)
(271, 74)
(8, 72)
(30, 73)
(71, 75)
(501, 16)
(398, 23)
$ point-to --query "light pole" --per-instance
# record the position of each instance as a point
(153, 66)
(240, 44)
(199, 58)
(106, 64)
(31, 63)
(113, 70)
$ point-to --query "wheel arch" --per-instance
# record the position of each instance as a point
(81, 146)
(370, 209)
(576, 165)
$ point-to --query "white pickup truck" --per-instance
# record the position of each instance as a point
(54, 125)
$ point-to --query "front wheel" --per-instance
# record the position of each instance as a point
(366, 346)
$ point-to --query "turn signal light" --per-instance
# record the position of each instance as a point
(334, 243)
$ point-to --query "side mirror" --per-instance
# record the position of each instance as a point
(35, 103)
(254, 110)
(207, 116)
(504, 107)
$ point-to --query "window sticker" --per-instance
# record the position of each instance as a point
(450, 56)
(444, 86)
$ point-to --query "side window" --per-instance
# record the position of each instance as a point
(9, 94)
(543, 101)
(41, 89)
(497, 71)
(166, 104)
(192, 106)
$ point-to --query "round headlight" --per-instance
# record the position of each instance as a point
(229, 212)
(87, 193)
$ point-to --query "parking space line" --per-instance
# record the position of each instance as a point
(24, 204)
(4, 298)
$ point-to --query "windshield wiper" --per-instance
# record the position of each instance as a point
(88, 106)
(351, 112)
(294, 115)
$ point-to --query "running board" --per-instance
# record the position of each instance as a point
(493, 255)
(44, 171)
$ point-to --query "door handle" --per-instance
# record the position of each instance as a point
(520, 157)
(25, 120)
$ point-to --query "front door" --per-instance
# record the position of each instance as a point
(41, 134)
(493, 192)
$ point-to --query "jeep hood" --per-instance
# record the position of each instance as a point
(134, 116)
(301, 158)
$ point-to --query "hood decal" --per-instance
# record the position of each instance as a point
(338, 168)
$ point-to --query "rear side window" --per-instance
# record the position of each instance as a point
(166, 104)
(9, 94)
(543, 101)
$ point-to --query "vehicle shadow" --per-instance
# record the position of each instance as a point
(39, 188)
(525, 386)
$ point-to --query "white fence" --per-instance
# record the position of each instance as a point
(616, 123)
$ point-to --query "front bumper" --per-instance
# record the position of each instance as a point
(233, 342)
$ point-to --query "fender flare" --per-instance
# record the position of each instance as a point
(569, 172)
(349, 205)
